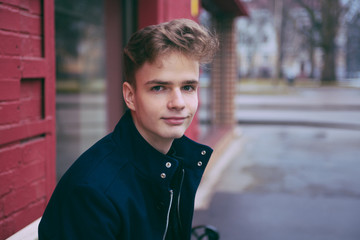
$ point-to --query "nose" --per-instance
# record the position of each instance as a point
(176, 100)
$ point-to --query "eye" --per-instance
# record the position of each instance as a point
(189, 88)
(157, 88)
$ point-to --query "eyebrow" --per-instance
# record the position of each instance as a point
(161, 82)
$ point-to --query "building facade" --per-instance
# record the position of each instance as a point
(27, 112)
(60, 86)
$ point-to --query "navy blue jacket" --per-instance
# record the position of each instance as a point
(120, 189)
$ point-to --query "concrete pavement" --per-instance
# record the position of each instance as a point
(292, 181)
(302, 106)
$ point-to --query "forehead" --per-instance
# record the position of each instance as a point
(174, 66)
(171, 57)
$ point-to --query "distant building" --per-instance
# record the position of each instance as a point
(256, 46)
(260, 46)
(353, 48)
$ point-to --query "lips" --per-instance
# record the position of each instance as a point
(174, 120)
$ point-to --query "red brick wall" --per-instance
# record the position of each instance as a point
(224, 74)
(27, 110)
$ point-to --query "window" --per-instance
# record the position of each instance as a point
(80, 78)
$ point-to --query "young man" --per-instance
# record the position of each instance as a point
(139, 182)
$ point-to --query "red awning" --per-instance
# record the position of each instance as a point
(225, 7)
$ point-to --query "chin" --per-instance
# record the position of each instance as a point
(175, 135)
(178, 136)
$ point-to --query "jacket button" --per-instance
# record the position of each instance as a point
(168, 164)
(163, 175)
(199, 163)
(203, 152)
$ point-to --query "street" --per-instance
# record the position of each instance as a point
(294, 171)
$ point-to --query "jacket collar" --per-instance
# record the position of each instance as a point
(154, 164)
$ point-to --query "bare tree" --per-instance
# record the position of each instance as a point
(307, 25)
(279, 28)
(325, 18)
(252, 34)
(330, 15)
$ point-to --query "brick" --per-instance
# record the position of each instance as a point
(30, 152)
(32, 46)
(25, 4)
(23, 186)
(20, 198)
(31, 99)
(9, 18)
(31, 88)
(35, 6)
(9, 112)
(10, 45)
(25, 130)
(223, 79)
(9, 90)
(16, 200)
(31, 109)
(6, 179)
(31, 24)
(20, 177)
(34, 151)
(9, 68)
(21, 219)
(5, 229)
(9, 158)
(23, 45)
(12, 2)
(15, 20)
(27, 174)
(1, 209)
(30, 214)
(33, 68)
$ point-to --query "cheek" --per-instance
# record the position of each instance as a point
(146, 101)
(193, 103)
(153, 106)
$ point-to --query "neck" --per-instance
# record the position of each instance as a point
(161, 145)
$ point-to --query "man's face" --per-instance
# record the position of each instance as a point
(165, 99)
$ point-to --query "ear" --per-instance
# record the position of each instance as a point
(129, 95)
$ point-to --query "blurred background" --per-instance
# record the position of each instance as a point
(290, 168)
(280, 105)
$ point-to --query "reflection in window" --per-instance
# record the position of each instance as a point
(80, 78)
(205, 96)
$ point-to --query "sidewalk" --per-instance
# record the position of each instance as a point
(295, 106)
(294, 175)
(324, 107)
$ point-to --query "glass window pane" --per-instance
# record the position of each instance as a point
(80, 78)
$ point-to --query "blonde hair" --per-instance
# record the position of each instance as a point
(181, 35)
